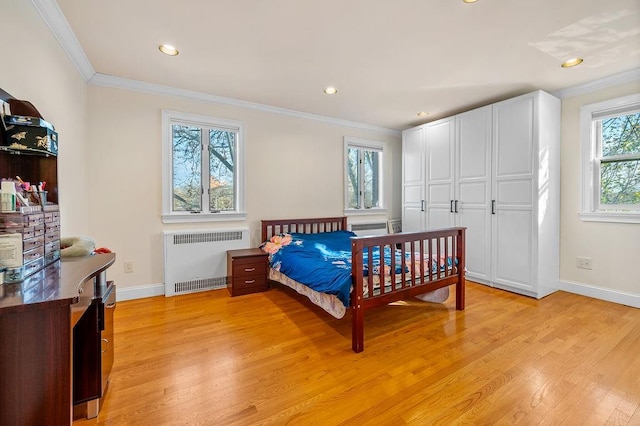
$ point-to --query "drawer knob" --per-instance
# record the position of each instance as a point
(250, 282)
(249, 269)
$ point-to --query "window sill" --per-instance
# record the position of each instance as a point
(203, 217)
(610, 217)
(363, 212)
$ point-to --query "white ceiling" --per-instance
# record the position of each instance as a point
(388, 59)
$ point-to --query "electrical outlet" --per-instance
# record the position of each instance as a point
(128, 267)
(584, 262)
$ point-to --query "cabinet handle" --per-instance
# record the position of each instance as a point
(249, 269)
(493, 206)
(456, 206)
(110, 305)
(106, 346)
(250, 282)
(421, 205)
(451, 206)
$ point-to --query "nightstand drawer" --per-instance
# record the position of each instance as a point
(249, 266)
(256, 282)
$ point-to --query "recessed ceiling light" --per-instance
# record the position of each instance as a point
(167, 49)
(330, 90)
(423, 114)
(571, 63)
(469, 1)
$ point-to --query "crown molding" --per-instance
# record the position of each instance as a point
(59, 26)
(105, 80)
(603, 83)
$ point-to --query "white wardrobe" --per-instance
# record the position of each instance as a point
(496, 171)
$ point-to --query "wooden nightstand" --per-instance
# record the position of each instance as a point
(247, 271)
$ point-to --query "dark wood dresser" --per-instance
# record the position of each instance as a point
(38, 338)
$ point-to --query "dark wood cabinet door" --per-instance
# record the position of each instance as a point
(87, 381)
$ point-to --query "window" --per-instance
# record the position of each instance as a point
(610, 138)
(202, 168)
(363, 176)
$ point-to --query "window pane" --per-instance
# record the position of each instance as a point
(352, 179)
(370, 179)
(620, 183)
(621, 135)
(186, 168)
(222, 144)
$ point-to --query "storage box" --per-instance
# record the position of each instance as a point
(30, 134)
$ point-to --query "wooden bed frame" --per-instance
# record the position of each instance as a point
(410, 282)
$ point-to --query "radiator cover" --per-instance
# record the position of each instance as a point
(366, 229)
(197, 260)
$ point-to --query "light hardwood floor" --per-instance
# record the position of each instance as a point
(273, 358)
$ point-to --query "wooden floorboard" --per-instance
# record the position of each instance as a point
(273, 358)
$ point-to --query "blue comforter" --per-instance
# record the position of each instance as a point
(321, 261)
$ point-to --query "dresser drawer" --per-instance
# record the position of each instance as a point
(32, 243)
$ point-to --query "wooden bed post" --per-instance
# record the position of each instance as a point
(460, 254)
(357, 310)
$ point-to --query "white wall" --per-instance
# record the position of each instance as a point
(35, 68)
(614, 247)
(294, 169)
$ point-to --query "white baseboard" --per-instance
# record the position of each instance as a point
(616, 296)
(140, 291)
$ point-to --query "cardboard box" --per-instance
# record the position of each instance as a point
(30, 134)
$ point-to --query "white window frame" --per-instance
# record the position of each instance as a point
(168, 215)
(590, 209)
(366, 144)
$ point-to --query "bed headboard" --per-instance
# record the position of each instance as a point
(304, 226)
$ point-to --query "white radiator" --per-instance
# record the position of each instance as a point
(369, 228)
(197, 260)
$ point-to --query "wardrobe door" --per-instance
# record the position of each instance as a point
(473, 189)
(440, 143)
(413, 180)
(514, 224)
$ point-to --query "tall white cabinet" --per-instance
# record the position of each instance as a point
(494, 170)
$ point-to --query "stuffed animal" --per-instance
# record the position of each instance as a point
(76, 246)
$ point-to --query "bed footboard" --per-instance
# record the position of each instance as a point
(418, 262)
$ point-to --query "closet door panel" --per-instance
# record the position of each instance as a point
(440, 173)
(473, 188)
(413, 156)
(513, 249)
(474, 144)
(474, 193)
(413, 180)
(477, 241)
(515, 192)
(514, 142)
(439, 141)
